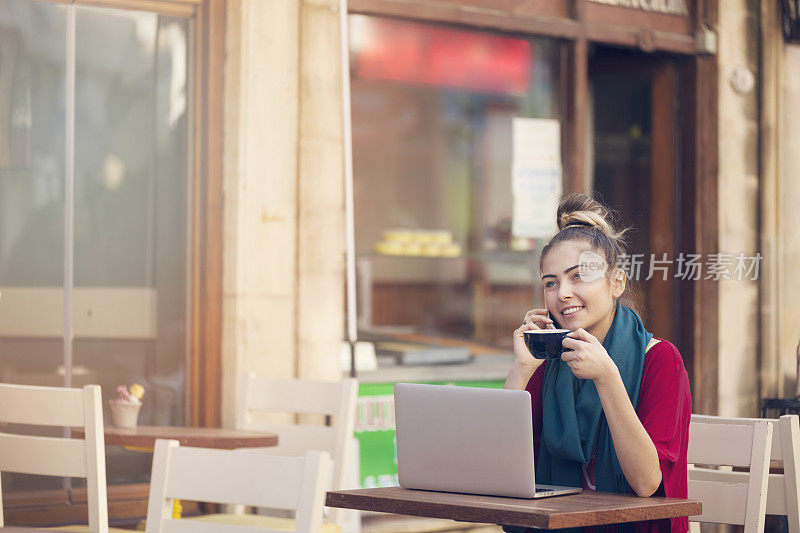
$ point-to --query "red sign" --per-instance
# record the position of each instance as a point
(431, 55)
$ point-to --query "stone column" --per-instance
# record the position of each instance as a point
(260, 186)
(788, 287)
(738, 311)
(283, 184)
(320, 224)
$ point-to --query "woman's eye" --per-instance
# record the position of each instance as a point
(549, 284)
(576, 276)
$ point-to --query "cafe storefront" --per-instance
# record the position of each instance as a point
(615, 97)
(452, 102)
(629, 99)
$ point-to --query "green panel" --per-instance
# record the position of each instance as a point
(376, 434)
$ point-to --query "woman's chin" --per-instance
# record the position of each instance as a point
(571, 324)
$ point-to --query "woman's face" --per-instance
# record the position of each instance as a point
(578, 290)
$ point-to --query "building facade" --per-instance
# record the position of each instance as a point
(173, 188)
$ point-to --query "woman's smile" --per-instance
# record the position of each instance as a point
(569, 312)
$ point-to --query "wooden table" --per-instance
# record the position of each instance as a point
(144, 437)
(576, 510)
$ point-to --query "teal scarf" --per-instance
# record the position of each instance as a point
(573, 424)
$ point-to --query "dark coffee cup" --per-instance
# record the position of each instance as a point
(545, 343)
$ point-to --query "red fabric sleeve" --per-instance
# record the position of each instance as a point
(665, 408)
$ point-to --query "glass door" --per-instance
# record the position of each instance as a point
(128, 169)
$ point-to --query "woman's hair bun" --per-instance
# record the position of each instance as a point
(582, 210)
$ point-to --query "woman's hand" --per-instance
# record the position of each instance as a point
(588, 359)
(534, 319)
(524, 363)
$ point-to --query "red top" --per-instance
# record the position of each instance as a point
(665, 408)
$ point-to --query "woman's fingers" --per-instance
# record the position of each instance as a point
(581, 334)
(569, 357)
(537, 319)
(571, 342)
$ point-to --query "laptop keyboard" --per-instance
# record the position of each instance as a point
(544, 490)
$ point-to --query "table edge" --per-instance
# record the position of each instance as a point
(674, 509)
(258, 439)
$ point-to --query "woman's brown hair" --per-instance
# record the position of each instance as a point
(581, 218)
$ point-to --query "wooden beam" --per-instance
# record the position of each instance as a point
(197, 236)
(204, 363)
(705, 293)
(662, 194)
(211, 363)
(771, 383)
(169, 8)
(575, 87)
(645, 40)
(456, 13)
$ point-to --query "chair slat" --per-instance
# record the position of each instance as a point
(710, 444)
(292, 396)
(776, 450)
(95, 453)
(759, 477)
(723, 503)
(193, 526)
(790, 442)
(47, 456)
(41, 406)
(219, 476)
(776, 502)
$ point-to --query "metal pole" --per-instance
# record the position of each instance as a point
(69, 205)
(69, 194)
(347, 135)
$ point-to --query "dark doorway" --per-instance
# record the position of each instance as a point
(635, 142)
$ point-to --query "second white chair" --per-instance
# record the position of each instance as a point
(234, 477)
(783, 489)
(262, 397)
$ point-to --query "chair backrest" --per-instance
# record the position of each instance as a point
(274, 395)
(234, 477)
(735, 445)
(783, 489)
(51, 456)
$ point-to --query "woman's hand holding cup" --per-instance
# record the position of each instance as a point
(534, 319)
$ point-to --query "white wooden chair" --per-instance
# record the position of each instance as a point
(51, 456)
(234, 477)
(264, 396)
(783, 490)
(739, 501)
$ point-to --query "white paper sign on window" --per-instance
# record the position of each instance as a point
(536, 176)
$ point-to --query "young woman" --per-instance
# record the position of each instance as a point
(613, 413)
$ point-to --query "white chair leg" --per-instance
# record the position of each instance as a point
(790, 443)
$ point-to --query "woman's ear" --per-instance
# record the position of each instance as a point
(618, 282)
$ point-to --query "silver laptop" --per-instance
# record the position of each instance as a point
(467, 439)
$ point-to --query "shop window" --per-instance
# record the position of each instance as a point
(438, 117)
(129, 172)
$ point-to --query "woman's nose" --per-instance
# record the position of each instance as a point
(564, 292)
